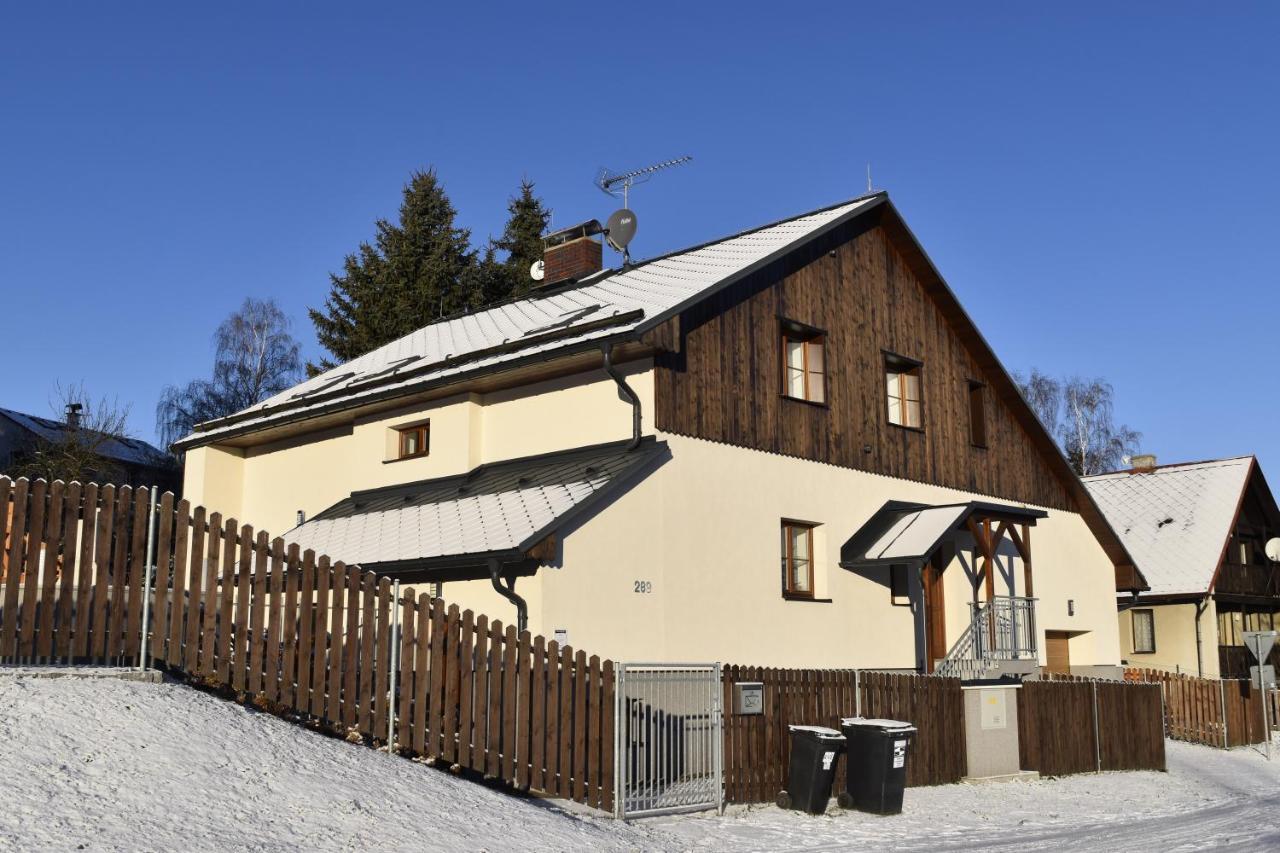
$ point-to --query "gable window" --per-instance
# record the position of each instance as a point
(797, 560)
(1144, 632)
(804, 372)
(415, 440)
(902, 382)
(977, 414)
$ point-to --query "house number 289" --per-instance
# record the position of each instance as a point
(644, 586)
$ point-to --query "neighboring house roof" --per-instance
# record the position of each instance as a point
(910, 533)
(130, 451)
(1175, 519)
(604, 306)
(497, 510)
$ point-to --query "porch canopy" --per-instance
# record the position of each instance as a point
(901, 533)
(451, 528)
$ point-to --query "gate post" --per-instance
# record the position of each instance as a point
(1222, 702)
(1097, 739)
(717, 736)
(619, 733)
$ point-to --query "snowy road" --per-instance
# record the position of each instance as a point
(112, 765)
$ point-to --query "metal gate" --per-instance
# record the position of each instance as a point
(668, 739)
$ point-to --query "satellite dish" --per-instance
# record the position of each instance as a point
(1273, 550)
(537, 270)
(620, 230)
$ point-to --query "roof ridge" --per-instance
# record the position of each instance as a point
(1168, 466)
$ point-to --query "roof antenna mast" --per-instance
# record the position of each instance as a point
(621, 227)
(608, 181)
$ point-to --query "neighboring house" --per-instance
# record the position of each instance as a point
(128, 461)
(785, 447)
(1197, 532)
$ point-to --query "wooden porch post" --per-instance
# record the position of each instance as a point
(1026, 560)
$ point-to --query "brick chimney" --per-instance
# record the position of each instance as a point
(572, 254)
(73, 415)
(1144, 463)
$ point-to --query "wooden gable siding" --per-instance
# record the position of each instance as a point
(723, 381)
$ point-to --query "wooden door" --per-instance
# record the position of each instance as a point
(1057, 652)
(935, 628)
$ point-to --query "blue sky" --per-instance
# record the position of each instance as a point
(1099, 184)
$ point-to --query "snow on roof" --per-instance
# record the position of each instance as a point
(503, 506)
(602, 306)
(127, 450)
(1175, 519)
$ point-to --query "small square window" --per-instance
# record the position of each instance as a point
(902, 385)
(415, 441)
(797, 560)
(1144, 632)
(804, 372)
(977, 414)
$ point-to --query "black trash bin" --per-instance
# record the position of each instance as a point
(876, 764)
(812, 769)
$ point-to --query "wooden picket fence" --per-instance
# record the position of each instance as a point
(232, 608)
(1086, 726)
(1222, 713)
(757, 748)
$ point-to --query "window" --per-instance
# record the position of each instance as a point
(415, 441)
(902, 379)
(1144, 631)
(977, 414)
(797, 560)
(804, 374)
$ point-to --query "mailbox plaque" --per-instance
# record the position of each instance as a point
(748, 697)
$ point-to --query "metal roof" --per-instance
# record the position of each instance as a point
(607, 305)
(1175, 519)
(128, 450)
(501, 508)
(909, 533)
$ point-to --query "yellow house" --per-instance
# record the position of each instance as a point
(1198, 532)
(787, 447)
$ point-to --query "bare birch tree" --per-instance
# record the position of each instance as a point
(255, 357)
(1079, 414)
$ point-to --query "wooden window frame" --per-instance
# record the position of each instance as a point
(790, 330)
(1133, 628)
(978, 437)
(787, 591)
(422, 431)
(900, 364)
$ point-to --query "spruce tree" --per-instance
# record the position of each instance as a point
(522, 238)
(415, 272)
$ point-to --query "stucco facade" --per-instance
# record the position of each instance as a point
(1176, 649)
(702, 534)
(684, 564)
(268, 485)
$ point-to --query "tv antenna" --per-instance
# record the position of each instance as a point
(609, 181)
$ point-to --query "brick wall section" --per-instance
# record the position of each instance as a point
(573, 260)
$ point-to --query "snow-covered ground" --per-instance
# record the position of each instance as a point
(127, 765)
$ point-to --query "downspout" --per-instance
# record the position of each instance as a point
(607, 350)
(1200, 609)
(509, 593)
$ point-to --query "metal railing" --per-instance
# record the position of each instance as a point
(1004, 628)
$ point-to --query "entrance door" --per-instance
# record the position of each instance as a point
(1057, 652)
(935, 629)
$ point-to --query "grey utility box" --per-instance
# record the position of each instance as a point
(748, 697)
